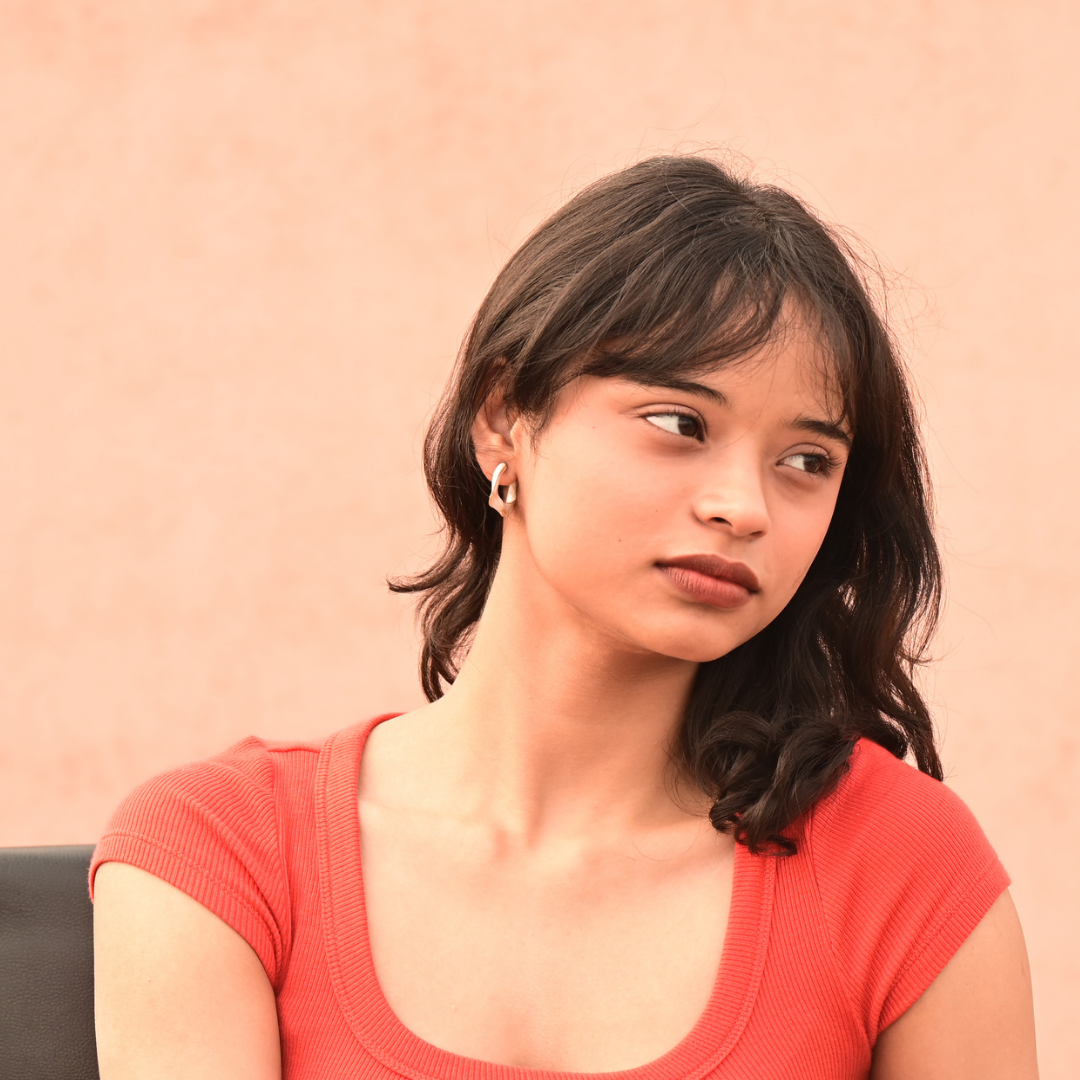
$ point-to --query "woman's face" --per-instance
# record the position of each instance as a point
(680, 520)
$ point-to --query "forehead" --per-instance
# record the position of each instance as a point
(795, 363)
(792, 345)
(791, 355)
(789, 383)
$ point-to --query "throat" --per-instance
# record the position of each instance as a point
(545, 956)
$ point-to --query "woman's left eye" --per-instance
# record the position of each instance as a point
(678, 423)
(816, 464)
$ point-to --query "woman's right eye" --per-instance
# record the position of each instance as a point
(678, 423)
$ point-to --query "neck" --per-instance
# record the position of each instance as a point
(553, 726)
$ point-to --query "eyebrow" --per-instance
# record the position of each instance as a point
(671, 382)
(828, 428)
(824, 427)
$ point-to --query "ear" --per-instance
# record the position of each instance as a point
(494, 435)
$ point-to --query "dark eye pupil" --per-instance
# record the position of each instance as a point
(687, 425)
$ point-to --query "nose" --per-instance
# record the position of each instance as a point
(733, 498)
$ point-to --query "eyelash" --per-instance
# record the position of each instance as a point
(683, 415)
(826, 463)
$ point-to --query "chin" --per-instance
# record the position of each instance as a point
(699, 655)
(694, 647)
(698, 636)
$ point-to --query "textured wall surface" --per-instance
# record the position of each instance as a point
(241, 241)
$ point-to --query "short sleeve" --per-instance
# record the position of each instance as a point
(211, 830)
(905, 874)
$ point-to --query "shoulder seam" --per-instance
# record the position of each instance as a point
(202, 872)
(930, 933)
(834, 955)
(286, 931)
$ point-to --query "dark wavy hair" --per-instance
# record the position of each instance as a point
(666, 268)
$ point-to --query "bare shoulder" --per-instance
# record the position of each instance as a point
(975, 1020)
(178, 993)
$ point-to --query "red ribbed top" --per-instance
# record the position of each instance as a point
(823, 949)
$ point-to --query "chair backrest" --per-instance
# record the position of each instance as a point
(46, 965)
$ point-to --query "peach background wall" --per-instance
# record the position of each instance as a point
(239, 243)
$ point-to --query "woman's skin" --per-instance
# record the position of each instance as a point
(543, 887)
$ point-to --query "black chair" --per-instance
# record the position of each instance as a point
(46, 965)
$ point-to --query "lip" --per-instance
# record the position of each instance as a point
(711, 579)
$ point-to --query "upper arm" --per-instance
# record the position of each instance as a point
(179, 994)
(975, 1020)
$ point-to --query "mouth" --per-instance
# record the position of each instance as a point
(712, 580)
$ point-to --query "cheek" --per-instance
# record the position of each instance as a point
(798, 540)
(590, 524)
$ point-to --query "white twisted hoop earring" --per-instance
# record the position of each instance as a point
(495, 501)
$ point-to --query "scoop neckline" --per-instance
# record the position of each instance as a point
(386, 1038)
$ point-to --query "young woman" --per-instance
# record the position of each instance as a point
(655, 819)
